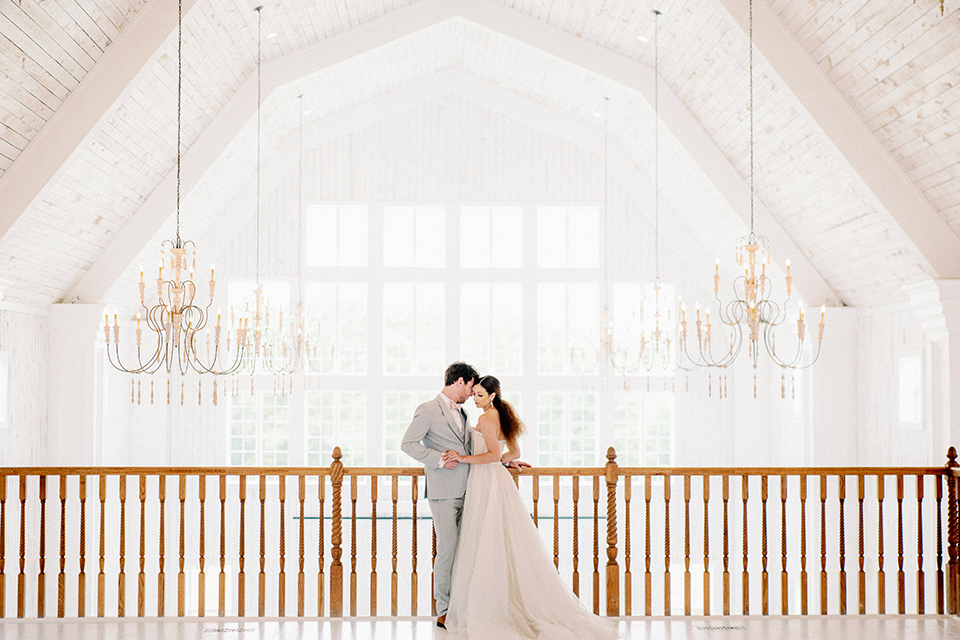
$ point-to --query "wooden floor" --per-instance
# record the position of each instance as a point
(739, 628)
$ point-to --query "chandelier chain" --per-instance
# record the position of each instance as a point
(300, 207)
(179, 102)
(752, 196)
(259, 10)
(656, 139)
(606, 199)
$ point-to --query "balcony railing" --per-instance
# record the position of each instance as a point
(813, 524)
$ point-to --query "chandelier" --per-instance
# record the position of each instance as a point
(752, 316)
(177, 319)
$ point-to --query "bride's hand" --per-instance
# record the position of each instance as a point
(452, 456)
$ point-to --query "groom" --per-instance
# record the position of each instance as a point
(439, 425)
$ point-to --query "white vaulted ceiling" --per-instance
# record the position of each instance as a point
(857, 149)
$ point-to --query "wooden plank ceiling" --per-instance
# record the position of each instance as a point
(894, 61)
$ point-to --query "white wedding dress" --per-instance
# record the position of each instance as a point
(505, 585)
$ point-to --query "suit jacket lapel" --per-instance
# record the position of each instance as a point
(457, 430)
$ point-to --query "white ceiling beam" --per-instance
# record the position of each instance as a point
(406, 21)
(43, 158)
(935, 245)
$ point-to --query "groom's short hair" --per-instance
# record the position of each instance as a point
(459, 370)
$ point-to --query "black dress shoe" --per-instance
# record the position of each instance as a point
(441, 620)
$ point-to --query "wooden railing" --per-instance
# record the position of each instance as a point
(857, 518)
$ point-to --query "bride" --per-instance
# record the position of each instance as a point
(505, 585)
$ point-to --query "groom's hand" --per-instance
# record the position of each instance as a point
(449, 462)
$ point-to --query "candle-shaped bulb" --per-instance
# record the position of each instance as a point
(717, 271)
(823, 310)
(788, 266)
(211, 271)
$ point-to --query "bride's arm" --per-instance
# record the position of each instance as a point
(488, 430)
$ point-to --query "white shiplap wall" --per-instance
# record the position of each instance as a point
(24, 337)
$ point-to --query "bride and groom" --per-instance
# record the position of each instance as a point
(493, 578)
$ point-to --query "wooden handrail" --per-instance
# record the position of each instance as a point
(744, 509)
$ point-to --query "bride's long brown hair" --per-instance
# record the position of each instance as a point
(510, 424)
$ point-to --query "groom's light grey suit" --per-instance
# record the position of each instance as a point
(434, 429)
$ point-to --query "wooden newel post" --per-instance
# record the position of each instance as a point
(953, 536)
(336, 537)
(613, 570)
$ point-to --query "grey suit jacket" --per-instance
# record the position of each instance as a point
(431, 433)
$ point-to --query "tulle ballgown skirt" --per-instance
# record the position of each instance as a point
(505, 585)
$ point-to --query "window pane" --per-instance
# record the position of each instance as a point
(491, 327)
(431, 239)
(567, 316)
(337, 327)
(507, 244)
(567, 429)
(583, 237)
(414, 327)
(551, 237)
(398, 408)
(320, 248)
(475, 237)
(398, 237)
(658, 426)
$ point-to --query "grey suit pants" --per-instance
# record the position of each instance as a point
(446, 522)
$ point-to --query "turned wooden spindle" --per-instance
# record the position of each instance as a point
(938, 485)
(627, 574)
(201, 559)
(433, 562)
(575, 497)
(101, 577)
(764, 576)
(222, 577)
(62, 576)
(22, 576)
(336, 536)
(706, 545)
(666, 546)
(262, 576)
(745, 575)
(3, 545)
(841, 496)
(374, 482)
(41, 575)
(241, 551)
(321, 578)
(414, 577)
(823, 545)
(181, 576)
(596, 545)
(953, 536)
(301, 576)
(161, 586)
(82, 551)
(535, 495)
(803, 545)
(556, 521)
(282, 573)
(901, 576)
(784, 600)
(861, 574)
(920, 586)
(647, 575)
(613, 569)
(122, 577)
(394, 576)
(354, 480)
(725, 495)
(686, 545)
(142, 576)
(881, 577)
